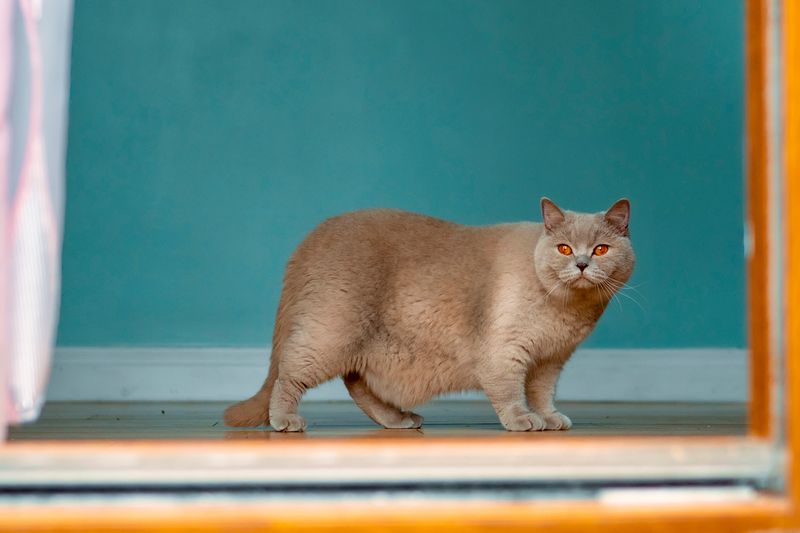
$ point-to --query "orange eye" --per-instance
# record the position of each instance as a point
(600, 249)
(564, 249)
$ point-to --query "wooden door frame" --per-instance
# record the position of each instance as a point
(781, 510)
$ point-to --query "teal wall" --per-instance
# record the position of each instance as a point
(207, 137)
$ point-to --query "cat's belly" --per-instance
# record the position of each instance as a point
(407, 376)
(406, 369)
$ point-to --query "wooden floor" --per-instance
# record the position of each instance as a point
(454, 418)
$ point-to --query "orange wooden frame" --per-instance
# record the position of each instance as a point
(757, 194)
(765, 512)
(791, 207)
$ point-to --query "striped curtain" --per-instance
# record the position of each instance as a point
(34, 55)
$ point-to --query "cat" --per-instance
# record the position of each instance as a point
(405, 307)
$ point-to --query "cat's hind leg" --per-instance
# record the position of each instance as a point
(381, 412)
(302, 367)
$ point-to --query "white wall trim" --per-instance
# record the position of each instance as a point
(225, 374)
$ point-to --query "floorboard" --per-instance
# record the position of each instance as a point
(443, 418)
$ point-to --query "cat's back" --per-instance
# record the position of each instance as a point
(385, 223)
(384, 233)
(393, 237)
(366, 256)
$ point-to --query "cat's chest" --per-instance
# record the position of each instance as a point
(553, 332)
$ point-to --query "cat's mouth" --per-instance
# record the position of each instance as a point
(582, 282)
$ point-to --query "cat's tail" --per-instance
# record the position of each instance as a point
(254, 411)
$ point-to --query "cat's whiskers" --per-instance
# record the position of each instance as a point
(566, 293)
(555, 286)
(620, 286)
(631, 298)
(608, 291)
(560, 282)
(608, 284)
(599, 293)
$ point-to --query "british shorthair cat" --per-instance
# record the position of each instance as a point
(405, 307)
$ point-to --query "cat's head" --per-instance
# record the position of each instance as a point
(585, 251)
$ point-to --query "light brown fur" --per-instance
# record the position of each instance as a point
(405, 307)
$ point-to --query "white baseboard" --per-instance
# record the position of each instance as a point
(225, 374)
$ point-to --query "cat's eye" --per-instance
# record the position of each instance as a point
(564, 249)
(600, 249)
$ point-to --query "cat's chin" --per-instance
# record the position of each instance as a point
(581, 283)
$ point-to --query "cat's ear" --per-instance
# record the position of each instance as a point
(551, 214)
(619, 215)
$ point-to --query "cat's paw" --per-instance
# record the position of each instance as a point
(408, 420)
(288, 422)
(416, 420)
(557, 421)
(525, 422)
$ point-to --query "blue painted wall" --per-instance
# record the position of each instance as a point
(207, 137)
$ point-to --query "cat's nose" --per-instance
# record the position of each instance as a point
(581, 265)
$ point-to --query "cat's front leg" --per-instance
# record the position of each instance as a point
(503, 381)
(540, 389)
